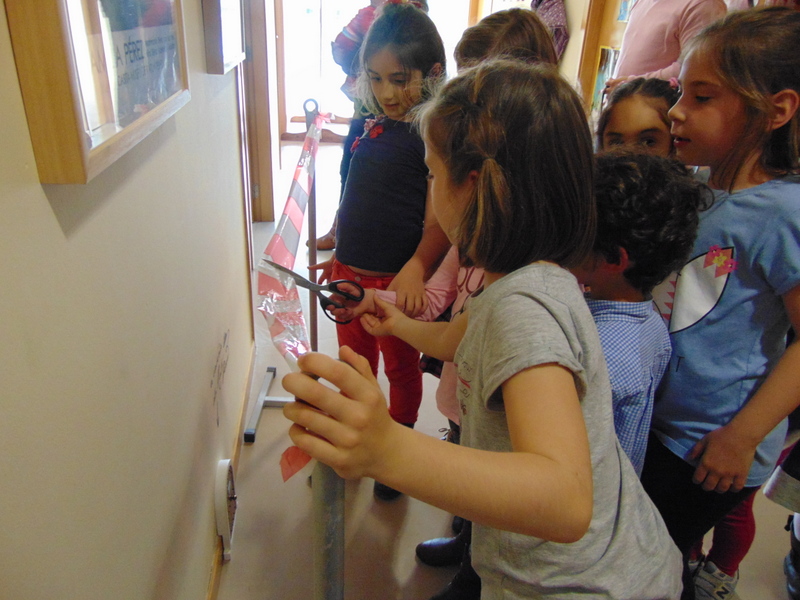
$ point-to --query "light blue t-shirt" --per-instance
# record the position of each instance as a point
(726, 316)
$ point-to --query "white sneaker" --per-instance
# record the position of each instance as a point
(694, 565)
(712, 584)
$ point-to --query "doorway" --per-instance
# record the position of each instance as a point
(289, 60)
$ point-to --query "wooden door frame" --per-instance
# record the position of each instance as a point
(602, 29)
(260, 104)
(264, 83)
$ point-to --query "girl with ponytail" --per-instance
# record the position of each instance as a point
(556, 506)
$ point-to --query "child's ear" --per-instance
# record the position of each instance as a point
(785, 104)
(618, 267)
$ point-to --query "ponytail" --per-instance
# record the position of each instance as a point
(522, 129)
(491, 205)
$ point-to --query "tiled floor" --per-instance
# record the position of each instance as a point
(272, 548)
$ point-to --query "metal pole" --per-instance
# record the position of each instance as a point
(312, 259)
(328, 501)
(327, 487)
(312, 231)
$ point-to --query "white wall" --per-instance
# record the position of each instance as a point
(577, 11)
(119, 300)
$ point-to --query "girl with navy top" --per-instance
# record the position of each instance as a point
(387, 237)
(720, 415)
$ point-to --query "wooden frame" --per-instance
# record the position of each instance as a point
(260, 87)
(224, 34)
(602, 29)
(92, 85)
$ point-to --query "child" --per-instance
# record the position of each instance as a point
(557, 508)
(514, 33)
(636, 116)
(380, 239)
(345, 49)
(720, 416)
(647, 219)
(520, 34)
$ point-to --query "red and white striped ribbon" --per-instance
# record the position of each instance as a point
(278, 299)
(277, 294)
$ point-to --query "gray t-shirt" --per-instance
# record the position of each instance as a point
(537, 315)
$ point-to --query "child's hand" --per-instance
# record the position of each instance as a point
(326, 267)
(384, 320)
(725, 460)
(410, 288)
(351, 429)
(353, 309)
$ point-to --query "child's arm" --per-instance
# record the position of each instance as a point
(727, 453)
(347, 43)
(439, 340)
(352, 309)
(440, 291)
(409, 283)
(543, 488)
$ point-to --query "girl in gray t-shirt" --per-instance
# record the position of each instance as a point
(557, 507)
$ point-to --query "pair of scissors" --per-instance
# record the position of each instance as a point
(350, 290)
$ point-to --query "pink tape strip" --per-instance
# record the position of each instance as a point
(295, 213)
(274, 293)
(292, 460)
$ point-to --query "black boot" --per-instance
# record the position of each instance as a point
(466, 585)
(791, 565)
(384, 492)
(443, 552)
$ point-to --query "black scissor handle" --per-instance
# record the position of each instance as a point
(335, 287)
(327, 305)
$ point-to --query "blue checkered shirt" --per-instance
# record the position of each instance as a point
(636, 345)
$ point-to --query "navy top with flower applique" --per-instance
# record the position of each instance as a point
(382, 212)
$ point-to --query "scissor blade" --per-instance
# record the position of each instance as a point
(299, 279)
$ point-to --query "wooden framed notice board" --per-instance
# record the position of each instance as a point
(97, 76)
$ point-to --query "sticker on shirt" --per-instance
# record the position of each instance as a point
(695, 290)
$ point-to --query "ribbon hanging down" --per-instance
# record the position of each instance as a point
(277, 294)
(278, 299)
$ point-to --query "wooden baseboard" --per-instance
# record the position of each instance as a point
(216, 566)
(216, 572)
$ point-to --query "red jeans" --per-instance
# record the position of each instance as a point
(400, 361)
(732, 539)
(734, 535)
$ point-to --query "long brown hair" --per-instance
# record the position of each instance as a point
(756, 53)
(415, 41)
(523, 130)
